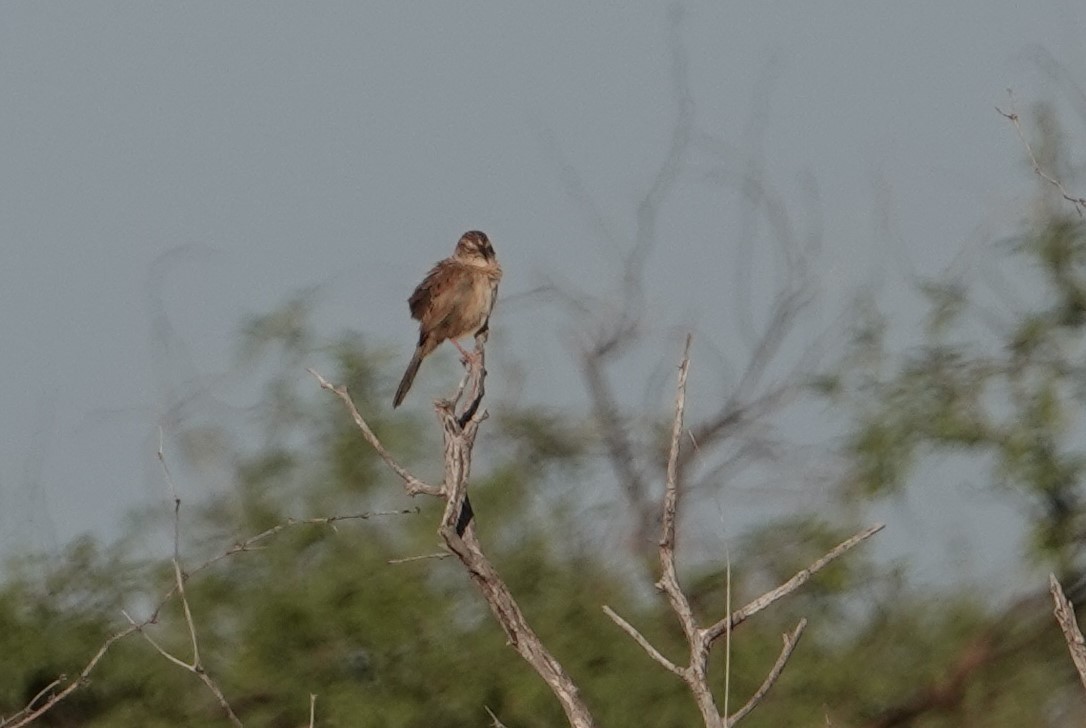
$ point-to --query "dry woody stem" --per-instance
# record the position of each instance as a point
(460, 418)
(700, 639)
(1065, 615)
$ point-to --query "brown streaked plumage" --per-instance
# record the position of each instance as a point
(454, 299)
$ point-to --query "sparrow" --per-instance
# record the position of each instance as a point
(454, 299)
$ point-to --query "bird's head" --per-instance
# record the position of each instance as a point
(474, 248)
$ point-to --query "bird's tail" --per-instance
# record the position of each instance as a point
(408, 377)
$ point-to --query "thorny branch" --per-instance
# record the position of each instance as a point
(1012, 116)
(700, 639)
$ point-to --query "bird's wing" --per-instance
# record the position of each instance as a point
(422, 300)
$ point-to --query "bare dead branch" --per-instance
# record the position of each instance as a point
(671, 488)
(413, 485)
(700, 640)
(217, 692)
(424, 557)
(188, 612)
(790, 642)
(195, 665)
(696, 673)
(252, 543)
(802, 576)
(669, 580)
(42, 693)
(457, 529)
(460, 419)
(1065, 615)
(641, 640)
(151, 640)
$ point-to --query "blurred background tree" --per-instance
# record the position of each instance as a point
(997, 382)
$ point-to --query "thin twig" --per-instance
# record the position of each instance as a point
(48, 688)
(1012, 116)
(250, 544)
(641, 640)
(696, 673)
(497, 723)
(671, 492)
(790, 642)
(196, 666)
(422, 557)
(669, 580)
(1065, 615)
(413, 485)
(151, 640)
(188, 614)
(743, 613)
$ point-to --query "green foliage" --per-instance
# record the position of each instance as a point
(1016, 400)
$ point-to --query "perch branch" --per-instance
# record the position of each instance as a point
(460, 418)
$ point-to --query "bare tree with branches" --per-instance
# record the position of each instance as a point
(460, 418)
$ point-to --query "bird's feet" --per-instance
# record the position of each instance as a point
(467, 358)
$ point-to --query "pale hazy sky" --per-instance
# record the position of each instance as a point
(275, 146)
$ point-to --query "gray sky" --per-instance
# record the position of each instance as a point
(348, 145)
